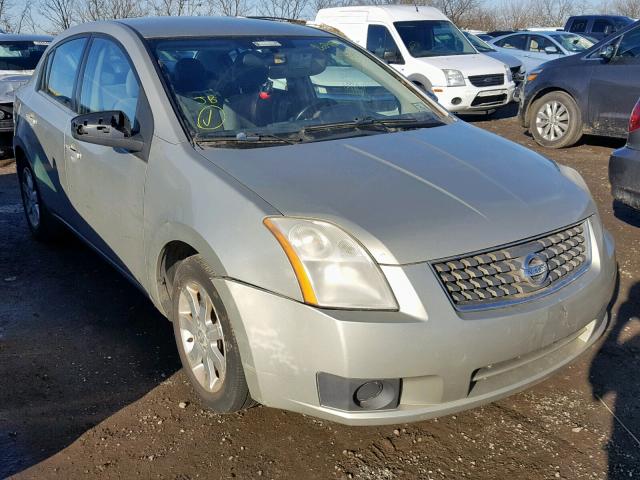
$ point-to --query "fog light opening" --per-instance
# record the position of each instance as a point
(374, 395)
(456, 101)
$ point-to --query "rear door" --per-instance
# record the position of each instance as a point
(107, 184)
(48, 113)
(615, 88)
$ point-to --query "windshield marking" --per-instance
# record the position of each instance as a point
(416, 177)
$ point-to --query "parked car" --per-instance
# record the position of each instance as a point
(330, 256)
(499, 33)
(588, 93)
(19, 55)
(484, 36)
(597, 26)
(534, 49)
(423, 45)
(624, 165)
(514, 64)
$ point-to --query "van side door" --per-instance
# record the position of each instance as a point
(614, 88)
(107, 183)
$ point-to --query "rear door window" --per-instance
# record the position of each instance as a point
(579, 25)
(516, 42)
(602, 26)
(64, 70)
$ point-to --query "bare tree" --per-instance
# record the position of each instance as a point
(630, 8)
(514, 15)
(23, 21)
(94, 10)
(175, 8)
(230, 8)
(552, 13)
(283, 8)
(59, 13)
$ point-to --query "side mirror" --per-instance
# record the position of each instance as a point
(607, 52)
(111, 129)
(391, 56)
(551, 50)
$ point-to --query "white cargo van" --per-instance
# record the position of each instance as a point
(422, 44)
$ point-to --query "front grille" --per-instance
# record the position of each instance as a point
(489, 100)
(515, 273)
(487, 80)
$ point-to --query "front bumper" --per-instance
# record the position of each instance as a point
(446, 360)
(470, 98)
(624, 175)
(6, 117)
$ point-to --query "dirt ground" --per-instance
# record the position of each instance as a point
(90, 383)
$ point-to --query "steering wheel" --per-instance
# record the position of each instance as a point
(310, 110)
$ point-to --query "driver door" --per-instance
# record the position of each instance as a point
(106, 183)
(615, 88)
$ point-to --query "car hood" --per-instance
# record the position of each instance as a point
(475, 64)
(415, 195)
(10, 81)
(505, 58)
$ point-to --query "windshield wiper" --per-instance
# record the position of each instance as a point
(248, 138)
(372, 123)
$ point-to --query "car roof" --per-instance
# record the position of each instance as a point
(163, 27)
(394, 13)
(19, 37)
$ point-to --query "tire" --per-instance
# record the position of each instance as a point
(565, 127)
(43, 225)
(206, 343)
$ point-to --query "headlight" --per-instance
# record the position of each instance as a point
(533, 74)
(332, 268)
(454, 78)
(508, 73)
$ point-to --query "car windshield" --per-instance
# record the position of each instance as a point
(273, 87)
(21, 55)
(481, 45)
(573, 43)
(433, 38)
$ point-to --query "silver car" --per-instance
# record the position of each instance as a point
(19, 55)
(345, 249)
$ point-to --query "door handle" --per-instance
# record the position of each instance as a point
(73, 151)
(31, 118)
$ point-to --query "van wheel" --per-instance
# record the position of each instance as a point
(205, 339)
(556, 121)
(43, 225)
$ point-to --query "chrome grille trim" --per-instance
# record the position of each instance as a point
(494, 278)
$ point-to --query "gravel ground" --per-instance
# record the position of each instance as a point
(91, 383)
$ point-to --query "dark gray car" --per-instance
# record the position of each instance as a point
(624, 165)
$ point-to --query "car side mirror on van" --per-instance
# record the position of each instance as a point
(607, 52)
(110, 128)
(391, 56)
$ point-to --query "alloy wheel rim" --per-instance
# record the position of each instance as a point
(552, 121)
(30, 198)
(202, 336)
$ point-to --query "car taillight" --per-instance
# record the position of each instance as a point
(634, 121)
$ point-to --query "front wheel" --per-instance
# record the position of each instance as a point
(556, 121)
(205, 339)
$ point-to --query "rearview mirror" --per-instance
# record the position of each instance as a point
(110, 128)
(551, 50)
(607, 52)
